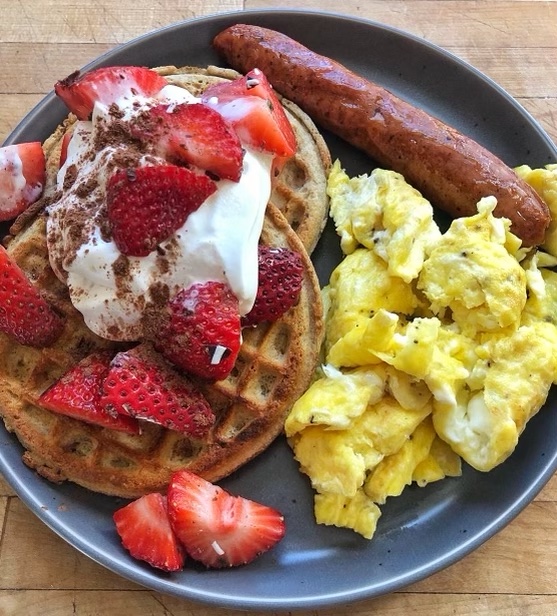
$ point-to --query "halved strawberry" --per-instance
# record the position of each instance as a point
(202, 334)
(252, 107)
(217, 528)
(22, 177)
(25, 315)
(80, 91)
(145, 531)
(141, 384)
(280, 280)
(147, 204)
(77, 394)
(195, 134)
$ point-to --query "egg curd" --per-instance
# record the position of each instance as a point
(439, 347)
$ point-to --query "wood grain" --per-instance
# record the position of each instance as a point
(512, 42)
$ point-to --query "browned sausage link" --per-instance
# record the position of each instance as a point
(451, 170)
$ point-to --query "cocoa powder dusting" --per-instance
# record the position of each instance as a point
(105, 228)
(168, 256)
(111, 134)
(115, 111)
(69, 177)
(121, 267)
(155, 314)
(86, 188)
(34, 210)
(160, 294)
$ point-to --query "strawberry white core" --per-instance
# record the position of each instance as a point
(217, 242)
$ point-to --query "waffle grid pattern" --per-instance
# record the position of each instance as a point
(274, 366)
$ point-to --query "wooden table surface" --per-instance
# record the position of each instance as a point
(515, 43)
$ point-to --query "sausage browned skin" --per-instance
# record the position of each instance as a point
(451, 170)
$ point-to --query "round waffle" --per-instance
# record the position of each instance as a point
(274, 366)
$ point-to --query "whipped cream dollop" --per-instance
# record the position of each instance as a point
(117, 294)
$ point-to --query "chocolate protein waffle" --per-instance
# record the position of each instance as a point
(274, 366)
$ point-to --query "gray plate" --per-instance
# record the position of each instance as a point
(420, 532)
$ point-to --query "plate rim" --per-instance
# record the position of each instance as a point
(324, 600)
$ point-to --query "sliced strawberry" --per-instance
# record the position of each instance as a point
(217, 528)
(281, 273)
(195, 134)
(22, 177)
(142, 385)
(145, 531)
(80, 91)
(64, 148)
(252, 107)
(203, 334)
(78, 394)
(147, 204)
(24, 315)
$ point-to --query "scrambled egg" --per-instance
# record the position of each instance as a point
(386, 215)
(439, 347)
(473, 273)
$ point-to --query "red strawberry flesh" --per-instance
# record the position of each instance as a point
(22, 177)
(142, 385)
(147, 204)
(252, 107)
(77, 394)
(80, 91)
(279, 284)
(64, 148)
(145, 531)
(217, 528)
(202, 334)
(24, 315)
(193, 134)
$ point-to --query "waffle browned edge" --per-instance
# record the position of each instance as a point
(274, 367)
